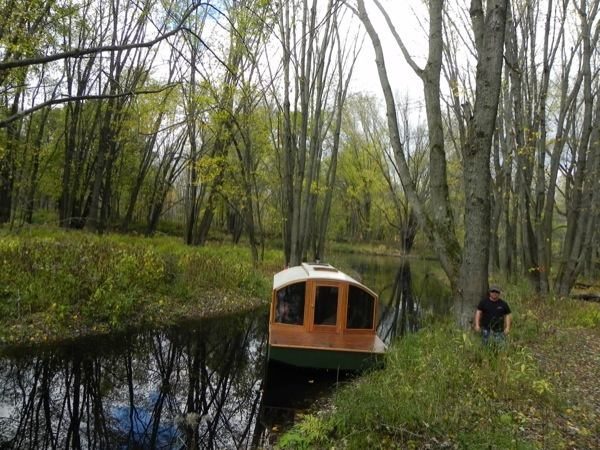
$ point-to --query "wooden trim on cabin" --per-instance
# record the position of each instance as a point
(273, 306)
(317, 328)
(367, 343)
(358, 331)
(342, 310)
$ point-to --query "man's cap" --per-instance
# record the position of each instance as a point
(495, 288)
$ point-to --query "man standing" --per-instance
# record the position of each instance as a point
(493, 317)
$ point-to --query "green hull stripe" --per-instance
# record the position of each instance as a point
(324, 359)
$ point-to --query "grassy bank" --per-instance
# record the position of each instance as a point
(56, 284)
(441, 389)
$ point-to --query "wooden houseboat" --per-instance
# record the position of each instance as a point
(323, 318)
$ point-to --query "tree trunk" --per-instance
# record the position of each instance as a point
(99, 193)
(438, 226)
(323, 222)
(7, 164)
(34, 170)
(489, 37)
(305, 125)
(580, 215)
(192, 175)
(146, 159)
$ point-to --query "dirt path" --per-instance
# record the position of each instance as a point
(574, 372)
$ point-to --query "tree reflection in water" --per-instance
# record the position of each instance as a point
(400, 315)
(197, 386)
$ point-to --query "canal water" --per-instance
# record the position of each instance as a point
(202, 384)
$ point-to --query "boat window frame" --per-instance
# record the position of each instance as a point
(337, 327)
(374, 309)
(275, 304)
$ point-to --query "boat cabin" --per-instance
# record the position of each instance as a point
(322, 317)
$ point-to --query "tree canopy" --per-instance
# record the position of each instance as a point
(240, 118)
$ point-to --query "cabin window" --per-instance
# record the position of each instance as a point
(360, 309)
(326, 303)
(290, 304)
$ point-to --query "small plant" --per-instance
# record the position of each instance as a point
(311, 433)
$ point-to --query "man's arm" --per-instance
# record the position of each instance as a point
(478, 320)
(507, 323)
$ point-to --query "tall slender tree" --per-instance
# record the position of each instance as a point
(313, 92)
(467, 269)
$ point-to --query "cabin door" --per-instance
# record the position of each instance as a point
(326, 306)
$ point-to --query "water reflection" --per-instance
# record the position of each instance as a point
(409, 289)
(197, 386)
(290, 392)
(400, 314)
(201, 385)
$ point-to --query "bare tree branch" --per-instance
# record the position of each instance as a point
(399, 41)
(56, 101)
(78, 52)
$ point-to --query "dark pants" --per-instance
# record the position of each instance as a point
(497, 338)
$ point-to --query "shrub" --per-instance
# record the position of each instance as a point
(58, 281)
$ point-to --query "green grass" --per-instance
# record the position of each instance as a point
(438, 386)
(56, 284)
(441, 389)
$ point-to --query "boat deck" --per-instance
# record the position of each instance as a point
(367, 343)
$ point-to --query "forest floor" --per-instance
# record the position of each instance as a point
(570, 358)
(441, 389)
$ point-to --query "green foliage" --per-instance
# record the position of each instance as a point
(58, 283)
(210, 167)
(543, 315)
(441, 388)
(572, 313)
(312, 432)
(223, 268)
(441, 382)
(370, 203)
(99, 279)
(134, 274)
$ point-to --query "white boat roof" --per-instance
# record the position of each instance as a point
(312, 271)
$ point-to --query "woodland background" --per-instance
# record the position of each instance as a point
(235, 118)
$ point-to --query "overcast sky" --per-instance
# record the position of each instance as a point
(410, 18)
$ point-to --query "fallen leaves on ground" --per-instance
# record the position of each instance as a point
(570, 358)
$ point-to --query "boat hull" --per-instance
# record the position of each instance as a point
(325, 359)
(322, 318)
